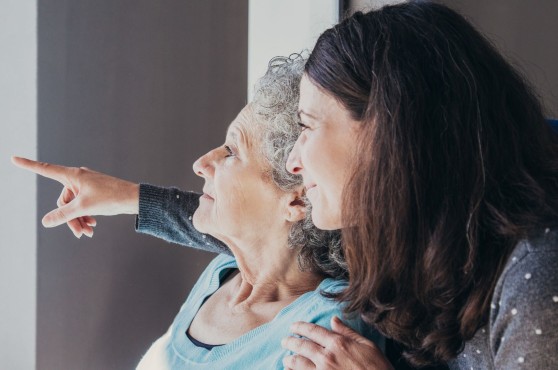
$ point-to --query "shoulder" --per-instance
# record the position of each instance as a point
(321, 297)
(525, 301)
(335, 308)
(316, 307)
(331, 285)
(323, 308)
(530, 270)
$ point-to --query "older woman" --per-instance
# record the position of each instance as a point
(282, 268)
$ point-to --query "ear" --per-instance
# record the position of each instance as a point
(296, 208)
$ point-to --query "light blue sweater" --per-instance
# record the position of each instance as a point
(259, 348)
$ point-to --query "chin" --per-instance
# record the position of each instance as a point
(324, 220)
(199, 223)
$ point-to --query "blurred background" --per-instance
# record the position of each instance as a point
(139, 89)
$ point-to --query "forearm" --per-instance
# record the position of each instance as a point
(166, 213)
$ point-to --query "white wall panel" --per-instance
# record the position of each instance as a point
(282, 27)
(18, 190)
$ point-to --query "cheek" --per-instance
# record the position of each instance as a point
(241, 194)
(311, 151)
(329, 166)
(219, 217)
(322, 162)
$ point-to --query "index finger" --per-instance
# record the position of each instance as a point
(315, 333)
(52, 171)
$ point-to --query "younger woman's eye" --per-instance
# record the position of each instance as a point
(229, 151)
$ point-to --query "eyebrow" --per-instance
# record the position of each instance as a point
(238, 137)
(301, 111)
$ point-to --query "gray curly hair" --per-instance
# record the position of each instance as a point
(275, 106)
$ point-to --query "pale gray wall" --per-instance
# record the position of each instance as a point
(18, 219)
(138, 89)
(283, 27)
(524, 31)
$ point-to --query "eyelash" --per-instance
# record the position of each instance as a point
(229, 151)
(302, 126)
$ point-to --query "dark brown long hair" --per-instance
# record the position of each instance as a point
(456, 164)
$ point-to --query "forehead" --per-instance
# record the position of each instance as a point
(317, 104)
(245, 129)
(313, 99)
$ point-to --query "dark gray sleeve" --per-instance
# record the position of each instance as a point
(524, 329)
(166, 213)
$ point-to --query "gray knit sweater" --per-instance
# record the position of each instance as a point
(522, 332)
(166, 213)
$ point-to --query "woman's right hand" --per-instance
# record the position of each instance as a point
(86, 193)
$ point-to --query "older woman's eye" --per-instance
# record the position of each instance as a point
(229, 151)
(302, 126)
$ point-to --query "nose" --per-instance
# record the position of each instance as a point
(294, 164)
(203, 166)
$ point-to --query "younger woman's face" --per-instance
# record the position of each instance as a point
(324, 153)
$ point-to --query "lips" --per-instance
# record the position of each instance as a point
(207, 195)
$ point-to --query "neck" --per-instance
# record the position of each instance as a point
(269, 273)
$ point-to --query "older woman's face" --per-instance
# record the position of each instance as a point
(239, 201)
(323, 153)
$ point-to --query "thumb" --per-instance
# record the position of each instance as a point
(61, 215)
(340, 328)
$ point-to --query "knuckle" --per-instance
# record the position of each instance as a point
(82, 203)
(287, 361)
(314, 329)
(298, 361)
(69, 174)
(73, 171)
(305, 343)
(288, 342)
(328, 357)
(60, 214)
(328, 360)
(339, 342)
